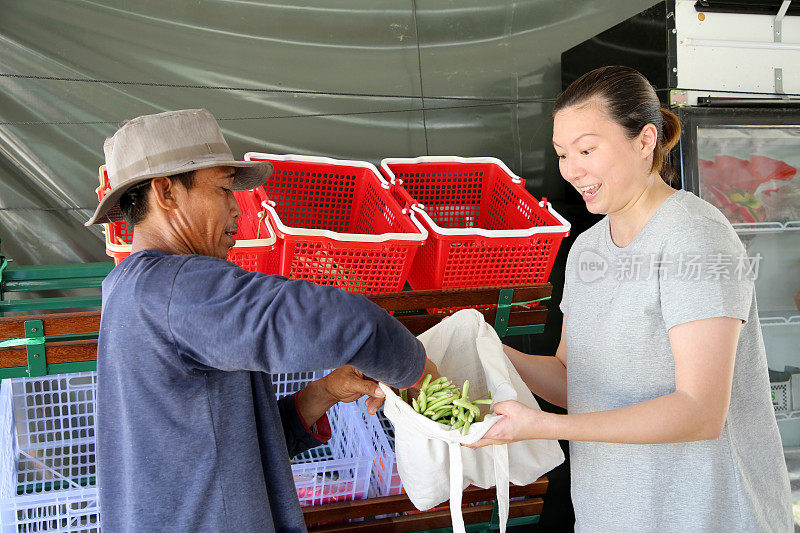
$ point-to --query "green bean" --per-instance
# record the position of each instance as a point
(434, 389)
(426, 382)
(440, 381)
(467, 405)
(440, 402)
(438, 414)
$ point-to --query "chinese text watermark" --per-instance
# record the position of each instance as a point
(684, 266)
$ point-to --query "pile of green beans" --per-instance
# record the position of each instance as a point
(441, 401)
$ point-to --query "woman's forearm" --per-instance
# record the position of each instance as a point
(676, 417)
(545, 375)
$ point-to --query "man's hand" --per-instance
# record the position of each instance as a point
(347, 384)
(518, 422)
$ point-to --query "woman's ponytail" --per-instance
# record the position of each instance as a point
(670, 135)
(672, 129)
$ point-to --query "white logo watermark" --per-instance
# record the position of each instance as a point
(592, 266)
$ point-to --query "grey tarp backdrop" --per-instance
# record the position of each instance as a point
(488, 71)
(380, 56)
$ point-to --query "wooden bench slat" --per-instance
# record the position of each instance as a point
(56, 352)
(432, 519)
(13, 327)
(410, 300)
(400, 503)
(418, 323)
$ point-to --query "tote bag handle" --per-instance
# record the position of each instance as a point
(501, 476)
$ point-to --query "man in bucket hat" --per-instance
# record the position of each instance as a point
(190, 436)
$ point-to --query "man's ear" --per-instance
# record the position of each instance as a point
(163, 190)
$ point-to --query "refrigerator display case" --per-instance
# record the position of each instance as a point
(746, 162)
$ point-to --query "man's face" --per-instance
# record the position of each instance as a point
(207, 212)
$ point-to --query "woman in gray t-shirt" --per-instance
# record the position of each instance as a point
(661, 362)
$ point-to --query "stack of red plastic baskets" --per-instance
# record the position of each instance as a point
(336, 223)
(254, 242)
(485, 229)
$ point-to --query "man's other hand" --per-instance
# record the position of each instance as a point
(346, 384)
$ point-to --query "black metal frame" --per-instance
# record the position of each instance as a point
(685, 158)
(754, 7)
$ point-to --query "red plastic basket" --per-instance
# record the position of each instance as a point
(254, 242)
(485, 229)
(336, 223)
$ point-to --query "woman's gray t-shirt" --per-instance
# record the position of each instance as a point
(686, 264)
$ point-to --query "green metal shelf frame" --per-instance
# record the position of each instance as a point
(91, 275)
(47, 278)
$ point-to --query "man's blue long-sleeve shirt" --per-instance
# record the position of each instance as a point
(190, 436)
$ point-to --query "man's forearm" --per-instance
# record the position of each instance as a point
(313, 401)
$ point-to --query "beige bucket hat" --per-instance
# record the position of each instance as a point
(165, 144)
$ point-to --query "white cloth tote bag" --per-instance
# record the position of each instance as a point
(433, 465)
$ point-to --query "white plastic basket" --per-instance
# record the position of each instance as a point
(48, 433)
(339, 470)
(67, 511)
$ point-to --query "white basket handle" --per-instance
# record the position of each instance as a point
(259, 241)
(564, 227)
(443, 159)
(250, 156)
(345, 237)
(263, 217)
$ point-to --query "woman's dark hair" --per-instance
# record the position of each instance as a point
(133, 202)
(629, 100)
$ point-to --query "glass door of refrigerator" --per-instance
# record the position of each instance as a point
(750, 173)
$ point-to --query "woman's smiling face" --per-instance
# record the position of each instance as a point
(597, 158)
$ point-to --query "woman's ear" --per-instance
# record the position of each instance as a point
(647, 140)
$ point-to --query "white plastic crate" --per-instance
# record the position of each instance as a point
(66, 511)
(781, 396)
(339, 470)
(48, 433)
(385, 480)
